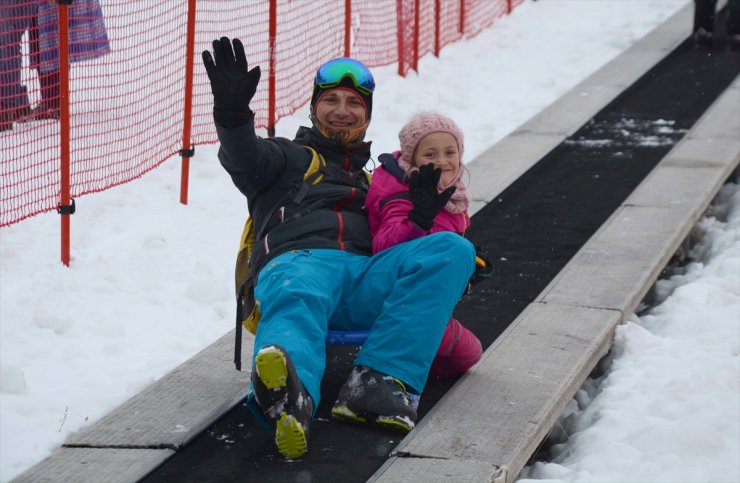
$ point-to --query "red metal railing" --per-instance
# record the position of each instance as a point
(125, 110)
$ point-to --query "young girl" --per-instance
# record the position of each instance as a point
(399, 210)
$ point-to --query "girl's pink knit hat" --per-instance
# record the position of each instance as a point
(419, 126)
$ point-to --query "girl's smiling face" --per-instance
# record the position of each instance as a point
(440, 149)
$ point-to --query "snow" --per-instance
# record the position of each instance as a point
(667, 407)
(151, 281)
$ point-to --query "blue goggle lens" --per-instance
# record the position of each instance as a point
(332, 73)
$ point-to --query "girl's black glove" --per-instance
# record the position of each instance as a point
(232, 83)
(428, 202)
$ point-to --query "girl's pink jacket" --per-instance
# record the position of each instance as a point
(390, 224)
(459, 349)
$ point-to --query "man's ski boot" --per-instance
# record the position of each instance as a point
(369, 396)
(282, 399)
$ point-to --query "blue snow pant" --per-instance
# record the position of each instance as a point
(403, 295)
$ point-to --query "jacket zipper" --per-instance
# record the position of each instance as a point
(340, 218)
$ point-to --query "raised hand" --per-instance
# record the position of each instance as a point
(427, 200)
(232, 83)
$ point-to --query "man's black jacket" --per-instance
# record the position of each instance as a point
(269, 172)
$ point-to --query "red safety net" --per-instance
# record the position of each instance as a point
(127, 76)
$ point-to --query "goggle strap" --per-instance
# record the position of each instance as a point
(357, 85)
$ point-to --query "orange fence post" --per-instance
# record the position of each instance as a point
(416, 35)
(271, 79)
(187, 150)
(461, 27)
(66, 205)
(347, 25)
(399, 22)
(437, 7)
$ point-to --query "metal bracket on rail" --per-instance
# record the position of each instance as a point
(187, 153)
(67, 209)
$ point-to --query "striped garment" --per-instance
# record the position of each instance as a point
(88, 38)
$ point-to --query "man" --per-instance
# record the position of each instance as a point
(312, 257)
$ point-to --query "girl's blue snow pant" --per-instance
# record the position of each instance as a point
(403, 295)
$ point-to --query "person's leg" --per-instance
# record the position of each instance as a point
(48, 108)
(733, 23)
(410, 291)
(459, 350)
(297, 294)
(10, 81)
(49, 80)
(12, 93)
(15, 20)
(704, 14)
(404, 295)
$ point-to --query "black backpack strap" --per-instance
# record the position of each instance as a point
(312, 175)
(390, 164)
(397, 196)
(309, 181)
(238, 331)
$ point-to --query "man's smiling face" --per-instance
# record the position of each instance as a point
(341, 110)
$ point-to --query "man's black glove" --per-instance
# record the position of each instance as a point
(428, 202)
(232, 84)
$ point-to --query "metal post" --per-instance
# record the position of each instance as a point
(399, 31)
(461, 27)
(271, 80)
(187, 152)
(437, 14)
(347, 26)
(416, 35)
(65, 204)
